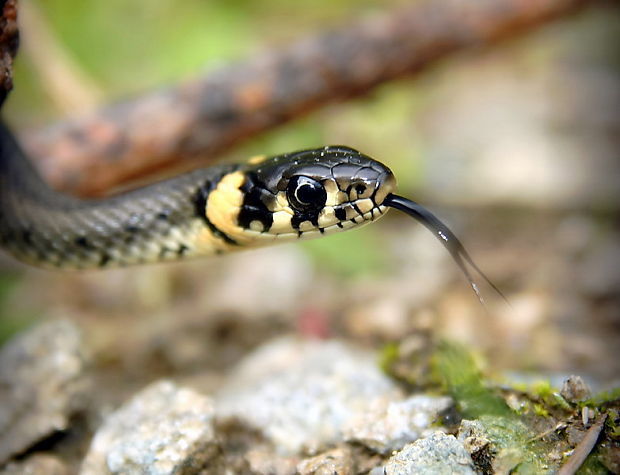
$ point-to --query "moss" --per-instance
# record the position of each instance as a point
(464, 383)
(547, 397)
(542, 389)
(517, 448)
(557, 400)
(602, 398)
(540, 410)
(612, 424)
(516, 452)
(530, 440)
(592, 466)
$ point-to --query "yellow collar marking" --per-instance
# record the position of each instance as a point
(224, 204)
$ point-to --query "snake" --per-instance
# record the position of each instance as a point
(208, 211)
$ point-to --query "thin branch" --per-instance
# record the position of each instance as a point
(584, 448)
(9, 39)
(206, 116)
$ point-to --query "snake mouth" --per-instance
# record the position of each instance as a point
(446, 237)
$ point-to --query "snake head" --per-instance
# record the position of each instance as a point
(306, 194)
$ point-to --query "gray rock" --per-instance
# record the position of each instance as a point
(436, 454)
(477, 442)
(42, 383)
(388, 427)
(164, 429)
(338, 461)
(301, 394)
(575, 389)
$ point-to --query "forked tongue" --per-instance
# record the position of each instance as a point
(447, 238)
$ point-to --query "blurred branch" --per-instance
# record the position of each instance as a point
(9, 39)
(68, 86)
(203, 117)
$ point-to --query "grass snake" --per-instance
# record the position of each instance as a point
(215, 210)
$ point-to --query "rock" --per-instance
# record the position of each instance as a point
(391, 426)
(263, 461)
(609, 456)
(164, 429)
(575, 389)
(476, 441)
(338, 461)
(438, 453)
(36, 465)
(42, 383)
(301, 394)
(575, 434)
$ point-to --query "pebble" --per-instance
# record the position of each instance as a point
(475, 439)
(438, 453)
(164, 429)
(42, 383)
(389, 427)
(263, 461)
(575, 389)
(301, 394)
(337, 461)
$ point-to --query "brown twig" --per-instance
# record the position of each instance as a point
(584, 448)
(9, 39)
(206, 116)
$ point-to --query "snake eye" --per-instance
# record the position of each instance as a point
(305, 193)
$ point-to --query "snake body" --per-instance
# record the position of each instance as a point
(208, 211)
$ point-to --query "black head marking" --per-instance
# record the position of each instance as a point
(254, 207)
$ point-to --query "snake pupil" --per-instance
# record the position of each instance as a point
(305, 193)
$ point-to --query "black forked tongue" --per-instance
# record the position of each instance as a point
(447, 238)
